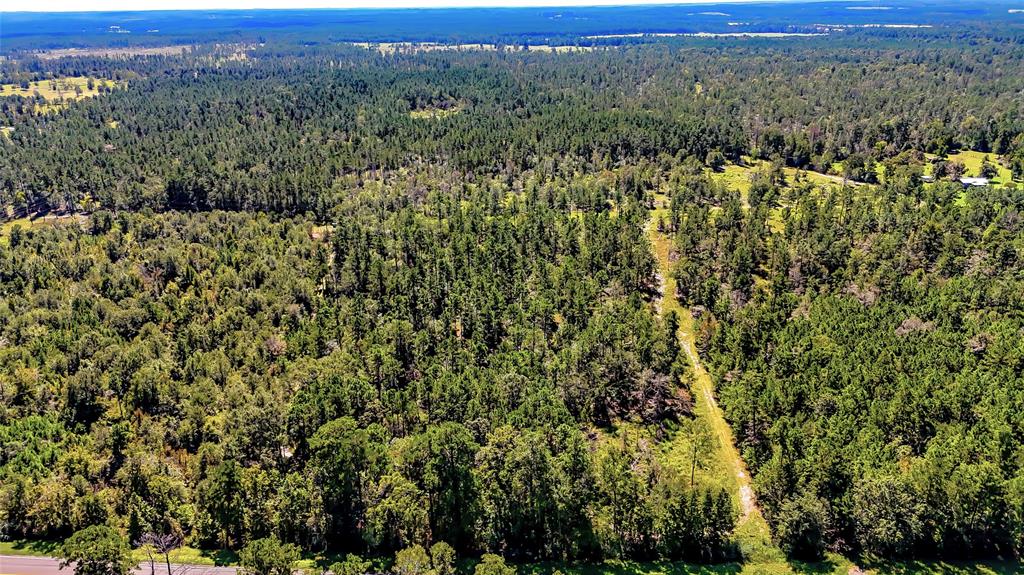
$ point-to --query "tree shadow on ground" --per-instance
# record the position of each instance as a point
(944, 567)
(822, 567)
(221, 557)
(48, 548)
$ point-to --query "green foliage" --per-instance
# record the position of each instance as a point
(222, 499)
(491, 564)
(268, 556)
(441, 462)
(97, 550)
(342, 456)
(272, 304)
(352, 565)
(801, 527)
(693, 525)
(517, 113)
(888, 516)
(442, 558)
(396, 514)
(988, 169)
(412, 561)
(715, 160)
(325, 396)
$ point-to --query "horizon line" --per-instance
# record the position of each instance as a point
(443, 5)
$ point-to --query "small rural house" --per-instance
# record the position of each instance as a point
(974, 182)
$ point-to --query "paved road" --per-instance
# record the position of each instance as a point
(15, 565)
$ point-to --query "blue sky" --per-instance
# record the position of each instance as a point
(104, 5)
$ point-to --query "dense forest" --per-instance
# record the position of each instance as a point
(440, 371)
(361, 300)
(869, 357)
(288, 129)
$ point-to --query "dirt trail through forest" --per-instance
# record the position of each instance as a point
(752, 533)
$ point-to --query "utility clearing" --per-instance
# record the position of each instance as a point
(752, 534)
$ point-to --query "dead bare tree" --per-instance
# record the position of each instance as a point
(162, 543)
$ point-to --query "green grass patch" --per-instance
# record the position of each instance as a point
(182, 555)
(192, 556)
(613, 567)
(739, 176)
(776, 223)
(972, 161)
(736, 177)
(795, 177)
(944, 567)
(7, 227)
(32, 548)
(30, 223)
(58, 89)
(831, 565)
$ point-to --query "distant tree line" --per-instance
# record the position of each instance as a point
(288, 128)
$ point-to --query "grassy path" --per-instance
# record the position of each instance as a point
(752, 533)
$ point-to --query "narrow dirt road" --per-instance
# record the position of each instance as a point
(748, 504)
(752, 533)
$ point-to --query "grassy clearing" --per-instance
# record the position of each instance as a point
(833, 564)
(717, 471)
(191, 556)
(411, 47)
(559, 49)
(184, 555)
(839, 168)
(435, 113)
(34, 222)
(945, 568)
(973, 160)
(33, 548)
(114, 52)
(59, 89)
(57, 92)
(8, 226)
(739, 176)
(736, 177)
(795, 176)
